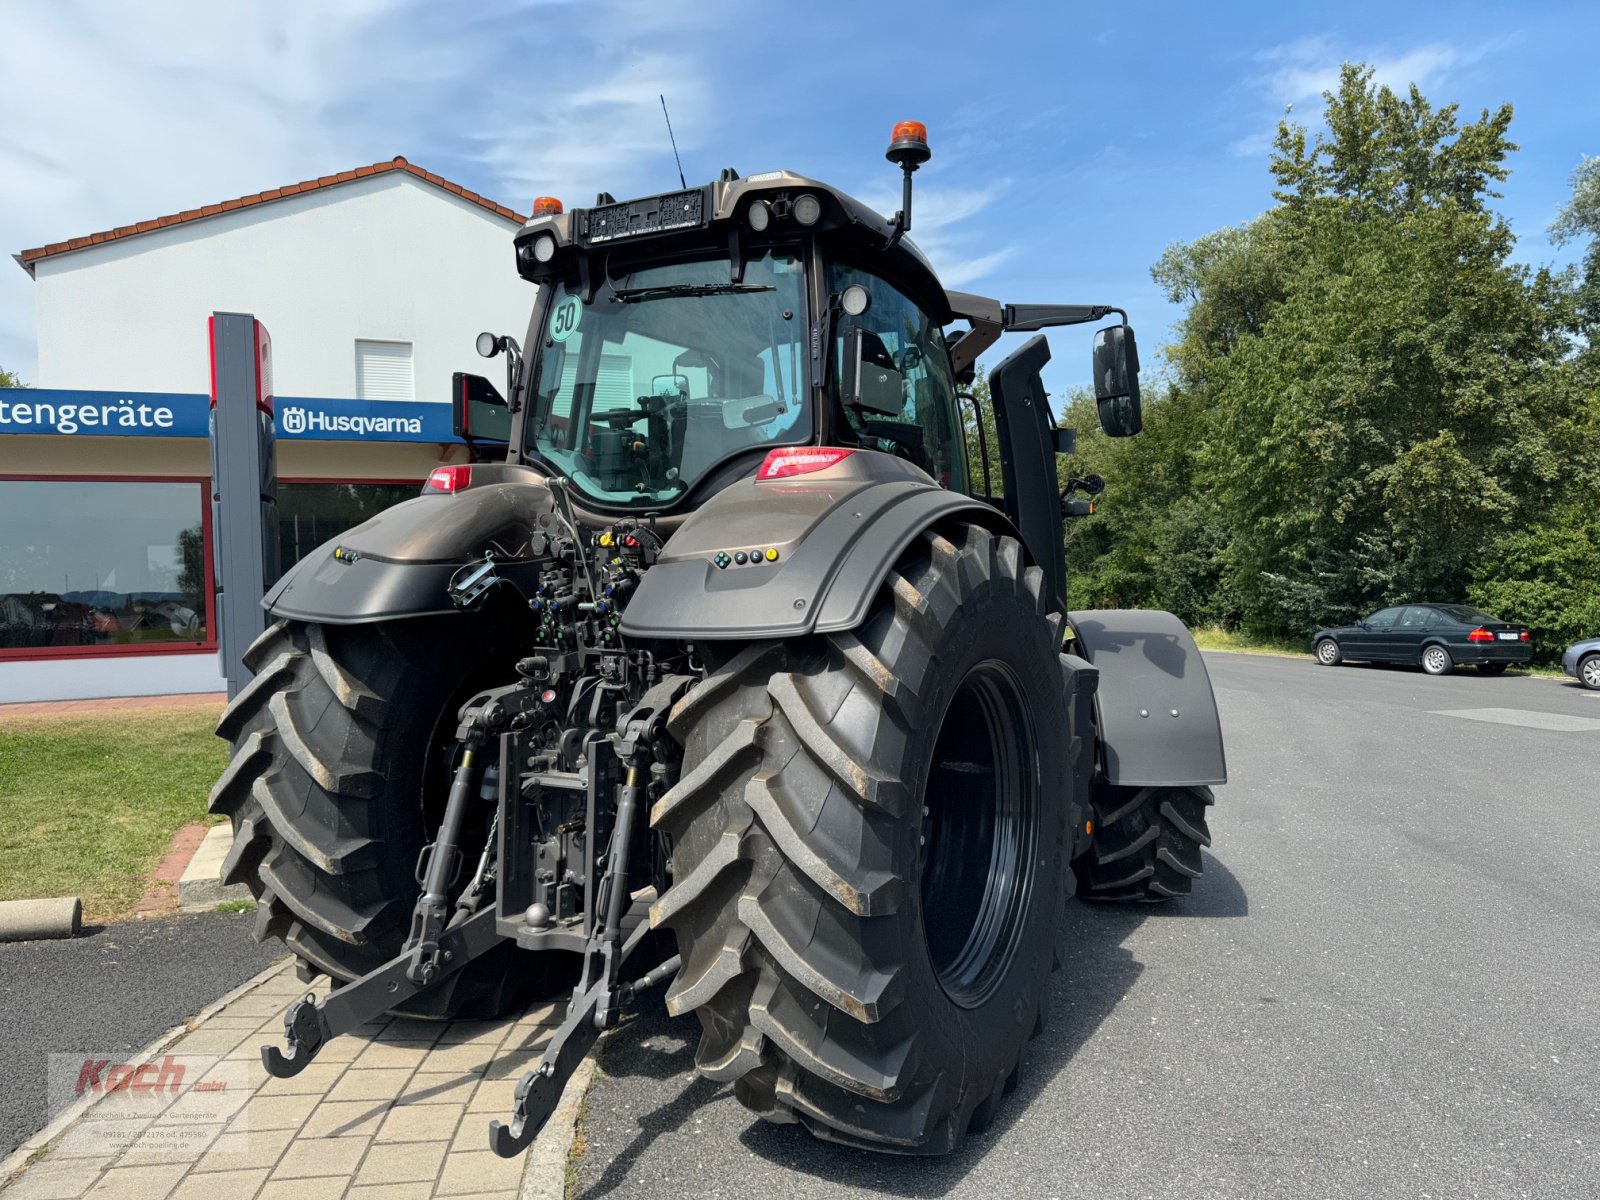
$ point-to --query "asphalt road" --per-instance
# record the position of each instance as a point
(1385, 985)
(108, 993)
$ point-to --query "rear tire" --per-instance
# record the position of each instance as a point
(1328, 653)
(869, 854)
(335, 785)
(1492, 669)
(1436, 660)
(1146, 843)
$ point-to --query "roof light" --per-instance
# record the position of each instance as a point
(807, 209)
(908, 144)
(449, 479)
(547, 206)
(544, 247)
(758, 215)
(801, 460)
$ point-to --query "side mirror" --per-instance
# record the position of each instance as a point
(670, 387)
(869, 379)
(478, 411)
(1116, 381)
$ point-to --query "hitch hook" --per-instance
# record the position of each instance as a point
(306, 1031)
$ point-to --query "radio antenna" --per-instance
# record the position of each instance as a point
(674, 141)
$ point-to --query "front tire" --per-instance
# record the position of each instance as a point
(869, 853)
(1589, 672)
(335, 785)
(1436, 660)
(1145, 846)
(1328, 653)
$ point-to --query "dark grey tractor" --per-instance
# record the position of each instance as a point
(722, 665)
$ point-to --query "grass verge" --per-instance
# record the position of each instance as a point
(1215, 637)
(90, 801)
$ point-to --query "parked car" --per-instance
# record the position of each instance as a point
(1438, 637)
(1582, 661)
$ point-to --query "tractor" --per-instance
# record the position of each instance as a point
(720, 663)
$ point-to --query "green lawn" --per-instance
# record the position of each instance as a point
(87, 804)
(1215, 637)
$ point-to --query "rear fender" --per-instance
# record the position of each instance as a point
(836, 533)
(399, 564)
(1157, 716)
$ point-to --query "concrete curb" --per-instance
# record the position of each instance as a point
(545, 1176)
(19, 1157)
(35, 920)
(200, 887)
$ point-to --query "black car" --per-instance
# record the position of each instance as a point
(1436, 636)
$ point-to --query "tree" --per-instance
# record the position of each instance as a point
(9, 379)
(1580, 218)
(1368, 401)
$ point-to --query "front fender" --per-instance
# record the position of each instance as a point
(1157, 716)
(399, 564)
(836, 534)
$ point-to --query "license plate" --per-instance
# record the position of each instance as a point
(1508, 637)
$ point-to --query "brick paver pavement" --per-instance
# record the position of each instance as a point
(398, 1109)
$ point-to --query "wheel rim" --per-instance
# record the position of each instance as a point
(1591, 672)
(980, 833)
(1326, 651)
(1435, 659)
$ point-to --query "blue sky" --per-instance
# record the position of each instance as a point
(1072, 143)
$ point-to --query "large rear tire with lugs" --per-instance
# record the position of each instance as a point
(870, 853)
(341, 758)
(1146, 843)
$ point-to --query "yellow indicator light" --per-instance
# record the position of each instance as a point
(1088, 828)
(772, 556)
(606, 539)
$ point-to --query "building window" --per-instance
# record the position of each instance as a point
(91, 566)
(383, 371)
(310, 514)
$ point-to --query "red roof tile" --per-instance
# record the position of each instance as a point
(28, 257)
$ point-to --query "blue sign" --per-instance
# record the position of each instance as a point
(183, 414)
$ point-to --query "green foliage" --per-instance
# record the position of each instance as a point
(1370, 402)
(10, 379)
(1580, 218)
(1550, 578)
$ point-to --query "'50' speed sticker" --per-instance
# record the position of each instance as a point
(565, 317)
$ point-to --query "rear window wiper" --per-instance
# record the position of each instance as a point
(636, 295)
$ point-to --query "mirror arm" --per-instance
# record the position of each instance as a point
(1027, 318)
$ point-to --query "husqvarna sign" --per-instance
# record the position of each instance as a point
(178, 414)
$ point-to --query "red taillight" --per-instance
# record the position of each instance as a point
(1526, 636)
(1480, 634)
(801, 460)
(448, 479)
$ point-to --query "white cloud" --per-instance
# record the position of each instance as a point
(1300, 71)
(111, 113)
(940, 226)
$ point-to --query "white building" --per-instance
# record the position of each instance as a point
(373, 284)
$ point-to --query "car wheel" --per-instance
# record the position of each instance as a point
(1328, 653)
(1436, 660)
(1589, 672)
(1492, 668)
